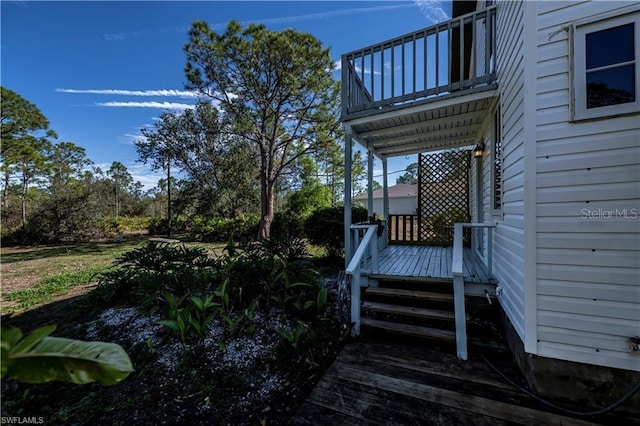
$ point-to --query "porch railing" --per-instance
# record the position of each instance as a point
(403, 228)
(366, 253)
(458, 280)
(453, 55)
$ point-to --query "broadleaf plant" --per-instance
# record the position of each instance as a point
(39, 358)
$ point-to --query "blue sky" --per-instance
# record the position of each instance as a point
(100, 71)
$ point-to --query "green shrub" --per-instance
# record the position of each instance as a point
(143, 273)
(287, 224)
(133, 223)
(325, 227)
(209, 229)
(442, 225)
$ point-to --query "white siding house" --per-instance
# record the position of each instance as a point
(555, 102)
(403, 199)
(567, 241)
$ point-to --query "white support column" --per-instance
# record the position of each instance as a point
(460, 316)
(385, 190)
(347, 196)
(458, 292)
(370, 158)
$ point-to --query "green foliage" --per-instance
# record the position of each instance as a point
(410, 176)
(203, 313)
(276, 89)
(140, 276)
(209, 229)
(39, 358)
(325, 227)
(310, 197)
(294, 336)
(133, 223)
(177, 315)
(442, 225)
(286, 247)
(189, 317)
(19, 116)
(218, 168)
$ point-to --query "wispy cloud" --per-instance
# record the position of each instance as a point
(131, 138)
(218, 26)
(160, 105)
(432, 10)
(143, 174)
(329, 14)
(162, 92)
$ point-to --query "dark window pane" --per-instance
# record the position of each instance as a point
(611, 46)
(611, 87)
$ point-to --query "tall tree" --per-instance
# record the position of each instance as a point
(410, 175)
(23, 129)
(18, 117)
(275, 88)
(30, 158)
(220, 167)
(68, 210)
(121, 179)
(66, 161)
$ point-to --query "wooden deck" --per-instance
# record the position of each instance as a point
(428, 262)
(399, 384)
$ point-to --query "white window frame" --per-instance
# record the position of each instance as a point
(580, 30)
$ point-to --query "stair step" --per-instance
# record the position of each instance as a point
(410, 294)
(411, 280)
(408, 310)
(411, 330)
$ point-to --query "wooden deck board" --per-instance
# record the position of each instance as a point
(428, 262)
(398, 384)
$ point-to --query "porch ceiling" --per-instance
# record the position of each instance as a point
(449, 121)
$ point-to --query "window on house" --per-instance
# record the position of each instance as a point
(497, 164)
(606, 67)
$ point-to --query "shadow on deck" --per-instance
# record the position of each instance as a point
(400, 384)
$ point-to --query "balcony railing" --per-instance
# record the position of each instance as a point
(455, 55)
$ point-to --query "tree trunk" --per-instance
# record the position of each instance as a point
(5, 192)
(169, 198)
(117, 204)
(25, 188)
(267, 191)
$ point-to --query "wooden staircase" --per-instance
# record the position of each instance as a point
(407, 308)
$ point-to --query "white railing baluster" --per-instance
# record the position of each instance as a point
(357, 97)
(369, 244)
(458, 281)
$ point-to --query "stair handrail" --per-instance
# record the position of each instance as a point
(353, 270)
(458, 282)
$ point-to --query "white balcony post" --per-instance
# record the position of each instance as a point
(385, 190)
(490, 252)
(370, 211)
(347, 196)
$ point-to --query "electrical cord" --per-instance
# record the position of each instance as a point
(527, 392)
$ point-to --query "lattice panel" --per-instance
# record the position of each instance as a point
(443, 195)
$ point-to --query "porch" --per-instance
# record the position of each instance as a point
(384, 383)
(431, 91)
(427, 263)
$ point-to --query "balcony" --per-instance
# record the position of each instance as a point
(442, 60)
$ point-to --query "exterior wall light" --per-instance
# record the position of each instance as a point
(478, 150)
